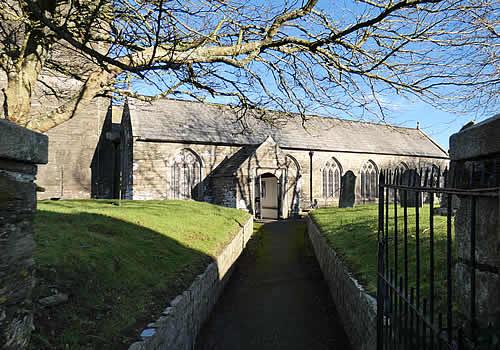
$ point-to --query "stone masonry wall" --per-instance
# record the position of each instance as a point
(349, 161)
(357, 309)
(71, 148)
(152, 167)
(20, 151)
(178, 326)
(221, 191)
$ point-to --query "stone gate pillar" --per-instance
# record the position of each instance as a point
(475, 165)
(20, 152)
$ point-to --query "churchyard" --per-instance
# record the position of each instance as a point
(112, 274)
(105, 269)
(139, 141)
(109, 267)
(352, 233)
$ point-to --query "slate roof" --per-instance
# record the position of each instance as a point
(194, 122)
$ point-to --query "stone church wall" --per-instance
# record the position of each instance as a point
(222, 191)
(348, 161)
(71, 148)
(153, 160)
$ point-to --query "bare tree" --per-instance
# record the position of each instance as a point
(290, 55)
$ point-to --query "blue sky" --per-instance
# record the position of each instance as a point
(437, 124)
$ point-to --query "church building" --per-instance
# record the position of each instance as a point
(270, 164)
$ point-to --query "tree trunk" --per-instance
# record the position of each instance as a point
(17, 98)
(22, 77)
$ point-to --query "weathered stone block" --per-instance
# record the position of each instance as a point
(21, 144)
(487, 290)
(487, 237)
(17, 193)
(476, 141)
(137, 346)
(20, 149)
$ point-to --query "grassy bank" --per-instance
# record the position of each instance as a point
(119, 265)
(352, 232)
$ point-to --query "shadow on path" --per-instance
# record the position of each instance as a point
(276, 298)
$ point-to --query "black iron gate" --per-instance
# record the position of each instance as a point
(417, 292)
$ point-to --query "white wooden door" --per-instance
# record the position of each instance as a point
(269, 197)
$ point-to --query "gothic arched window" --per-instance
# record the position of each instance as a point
(369, 180)
(331, 179)
(402, 168)
(186, 174)
(403, 174)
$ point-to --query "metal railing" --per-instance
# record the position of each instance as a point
(417, 299)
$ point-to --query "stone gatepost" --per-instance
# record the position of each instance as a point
(475, 166)
(20, 152)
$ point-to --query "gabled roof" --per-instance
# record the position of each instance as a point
(193, 122)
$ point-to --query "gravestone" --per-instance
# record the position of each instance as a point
(347, 190)
(443, 200)
(409, 178)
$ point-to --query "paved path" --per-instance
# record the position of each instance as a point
(276, 298)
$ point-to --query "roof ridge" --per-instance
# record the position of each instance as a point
(185, 121)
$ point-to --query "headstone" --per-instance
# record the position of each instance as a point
(410, 178)
(347, 190)
(443, 200)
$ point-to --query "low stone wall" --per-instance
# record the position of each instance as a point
(181, 321)
(356, 308)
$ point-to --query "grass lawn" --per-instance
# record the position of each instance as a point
(119, 265)
(353, 234)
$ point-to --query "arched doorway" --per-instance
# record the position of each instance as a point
(269, 196)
